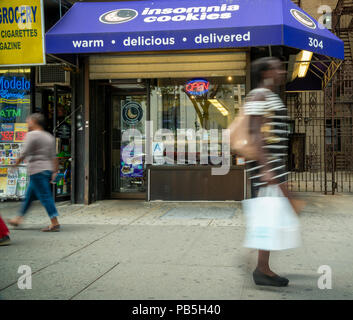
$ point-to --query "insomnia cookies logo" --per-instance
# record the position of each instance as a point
(118, 16)
(303, 18)
(132, 113)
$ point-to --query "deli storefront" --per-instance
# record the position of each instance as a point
(173, 75)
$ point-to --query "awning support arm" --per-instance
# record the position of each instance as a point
(65, 62)
(330, 72)
(312, 71)
(317, 68)
(323, 61)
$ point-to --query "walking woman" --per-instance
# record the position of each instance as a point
(42, 166)
(269, 127)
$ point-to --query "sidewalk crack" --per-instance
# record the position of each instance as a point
(101, 276)
(65, 257)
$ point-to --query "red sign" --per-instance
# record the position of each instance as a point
(20, 136)
(6, 136)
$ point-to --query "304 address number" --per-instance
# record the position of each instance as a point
(316, 43)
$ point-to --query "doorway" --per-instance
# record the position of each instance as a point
(128, 110)
(56, 105)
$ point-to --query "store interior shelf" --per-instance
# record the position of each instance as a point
(12, 166)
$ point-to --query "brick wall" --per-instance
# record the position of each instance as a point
(312, 6)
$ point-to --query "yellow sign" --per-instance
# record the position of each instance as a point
(21, 33)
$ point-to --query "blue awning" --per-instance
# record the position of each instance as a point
(96, 27)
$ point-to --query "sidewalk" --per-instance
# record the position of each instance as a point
(119, 249)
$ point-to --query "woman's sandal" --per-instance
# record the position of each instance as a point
(52, 228)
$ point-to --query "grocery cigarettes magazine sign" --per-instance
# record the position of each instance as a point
(21, 33)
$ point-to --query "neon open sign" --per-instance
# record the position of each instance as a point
(197, 87)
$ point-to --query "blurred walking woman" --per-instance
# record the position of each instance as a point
(42, 166)
(268, 124)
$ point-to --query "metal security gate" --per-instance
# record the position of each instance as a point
(320, 155)
(339, 135)
(306, 142)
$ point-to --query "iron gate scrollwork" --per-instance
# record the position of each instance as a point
(321, 141)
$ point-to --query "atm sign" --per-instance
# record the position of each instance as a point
(197, 87)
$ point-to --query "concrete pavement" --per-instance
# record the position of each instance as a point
(119, 249)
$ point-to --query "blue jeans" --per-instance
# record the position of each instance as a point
(39, 188)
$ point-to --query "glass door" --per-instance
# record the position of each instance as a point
(129, 174)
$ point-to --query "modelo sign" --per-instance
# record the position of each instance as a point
(13, 88)
(197, 87)
(14, 83)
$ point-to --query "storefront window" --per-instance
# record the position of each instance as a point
(200, 106)
(15, 106)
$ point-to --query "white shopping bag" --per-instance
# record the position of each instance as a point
(271, 222)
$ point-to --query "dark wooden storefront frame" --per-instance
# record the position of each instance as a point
(97, 181)
(196, 183)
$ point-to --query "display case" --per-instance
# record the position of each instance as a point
(13, 179)
(15, 103)
(63, 186)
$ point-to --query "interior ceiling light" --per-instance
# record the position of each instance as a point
(293, 68)
(305, 58)
(219, 106)
(129, 86)
(27, 70)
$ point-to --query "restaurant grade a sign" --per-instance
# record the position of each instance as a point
(21, 33)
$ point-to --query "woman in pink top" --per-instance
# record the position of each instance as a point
(42, 165)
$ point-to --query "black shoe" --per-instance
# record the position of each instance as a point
(5, 241)
(262, 279)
